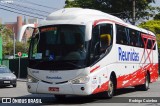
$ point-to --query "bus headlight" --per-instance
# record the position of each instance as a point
(80, 80)
(32, 79)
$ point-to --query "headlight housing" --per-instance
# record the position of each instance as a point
(32, 79)
(12, 78)
(80, 80)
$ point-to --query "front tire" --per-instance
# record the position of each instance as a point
(111, 89)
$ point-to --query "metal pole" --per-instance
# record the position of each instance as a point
(134, 12)
(19, 68)
(14, 44)
(14, 48)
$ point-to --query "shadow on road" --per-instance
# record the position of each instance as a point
(73, 100)
(5, 87)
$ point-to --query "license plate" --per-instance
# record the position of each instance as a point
(55, 89)
(6, 82)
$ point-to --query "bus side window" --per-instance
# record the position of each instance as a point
(154, 46)
(102, 39)
(149, 44)
(95, 44)
(133, 37)
(121, 36)
(105, 37)
(141, 43)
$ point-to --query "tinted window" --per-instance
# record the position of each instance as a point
(102, 39)
(141, 43)
(59, 43)
(149, 45)
(153, 41)
(122, 37)
(134, 35)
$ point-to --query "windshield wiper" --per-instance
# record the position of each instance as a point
(78, 66)
(38, 62)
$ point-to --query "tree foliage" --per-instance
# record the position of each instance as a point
(119, 8)
(22, 47)
(157, 17)
(154, 26)
(7, 38)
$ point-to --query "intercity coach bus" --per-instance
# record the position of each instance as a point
(77, 51)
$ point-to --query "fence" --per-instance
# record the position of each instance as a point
(13, 65)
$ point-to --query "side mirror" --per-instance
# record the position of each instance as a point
(96, 50)
(13, 72)
(24, 29)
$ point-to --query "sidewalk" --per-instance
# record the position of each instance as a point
(22, 79)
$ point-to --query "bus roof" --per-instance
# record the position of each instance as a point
(82, 17)
(76, 16)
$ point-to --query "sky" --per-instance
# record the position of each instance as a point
(56, 4)
(157, 3)
(12, 17)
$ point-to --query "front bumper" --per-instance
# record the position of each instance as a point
(66, 88)
(7, 82)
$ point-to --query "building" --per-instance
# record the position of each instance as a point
(15, 26)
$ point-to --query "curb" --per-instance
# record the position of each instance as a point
(22, 80)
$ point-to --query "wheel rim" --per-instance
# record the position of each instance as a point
(147, 82)
(111, 88)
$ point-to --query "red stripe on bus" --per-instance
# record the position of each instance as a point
(133, 79)
(101, 20)
(148, 36)
(138, 77)
(148, 51)
(94, 69)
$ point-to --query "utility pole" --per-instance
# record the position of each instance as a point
(134, 12)
(14, 44)
(0, 48)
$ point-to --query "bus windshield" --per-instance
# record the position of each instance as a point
(59, 43)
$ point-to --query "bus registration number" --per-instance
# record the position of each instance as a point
(55, 89)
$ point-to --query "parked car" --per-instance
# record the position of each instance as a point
(7, 78)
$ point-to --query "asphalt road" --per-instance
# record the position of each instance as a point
(123, 97)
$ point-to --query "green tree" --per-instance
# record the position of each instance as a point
(7, 40)
(119, 8)
(22, 47)
(154, 26)
(7, 37)
(157, 17)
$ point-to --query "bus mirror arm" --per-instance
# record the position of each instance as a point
(96, 51)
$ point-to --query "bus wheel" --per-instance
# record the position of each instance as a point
(145, 86)
(60, 97)
(111, 89)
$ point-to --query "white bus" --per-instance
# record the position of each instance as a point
(77, 51)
